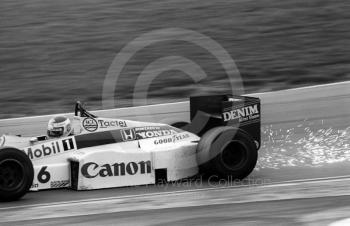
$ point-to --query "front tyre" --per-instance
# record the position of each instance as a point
(227, 152)
(16, 174)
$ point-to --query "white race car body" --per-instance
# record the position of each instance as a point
(222, 139)
(108, 153)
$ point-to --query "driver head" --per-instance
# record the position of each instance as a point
(59, 126)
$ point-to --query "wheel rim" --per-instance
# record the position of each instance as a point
(11, 175)
(234, 155)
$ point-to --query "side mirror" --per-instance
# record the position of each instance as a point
(33, 140)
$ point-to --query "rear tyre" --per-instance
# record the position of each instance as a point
(16, 174)
(227, 152)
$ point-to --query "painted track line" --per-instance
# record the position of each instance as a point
(94, 112)
(208, 197)
(183, 102)
(305, 88)
(273, 184)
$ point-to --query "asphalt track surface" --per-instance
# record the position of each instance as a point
(306, 142)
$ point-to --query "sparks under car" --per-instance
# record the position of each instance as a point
(222, 139)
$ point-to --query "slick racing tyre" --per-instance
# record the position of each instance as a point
(227, 152)
(16, 174)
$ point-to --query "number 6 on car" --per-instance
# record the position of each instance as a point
(43, 175)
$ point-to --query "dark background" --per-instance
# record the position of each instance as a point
(55, 52)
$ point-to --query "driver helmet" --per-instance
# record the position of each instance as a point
(59, 126)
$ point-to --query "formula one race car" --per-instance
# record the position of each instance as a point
(222, 139)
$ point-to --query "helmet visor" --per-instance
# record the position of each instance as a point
(55, 132)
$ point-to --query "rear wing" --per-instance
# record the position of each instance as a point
(241, 112)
